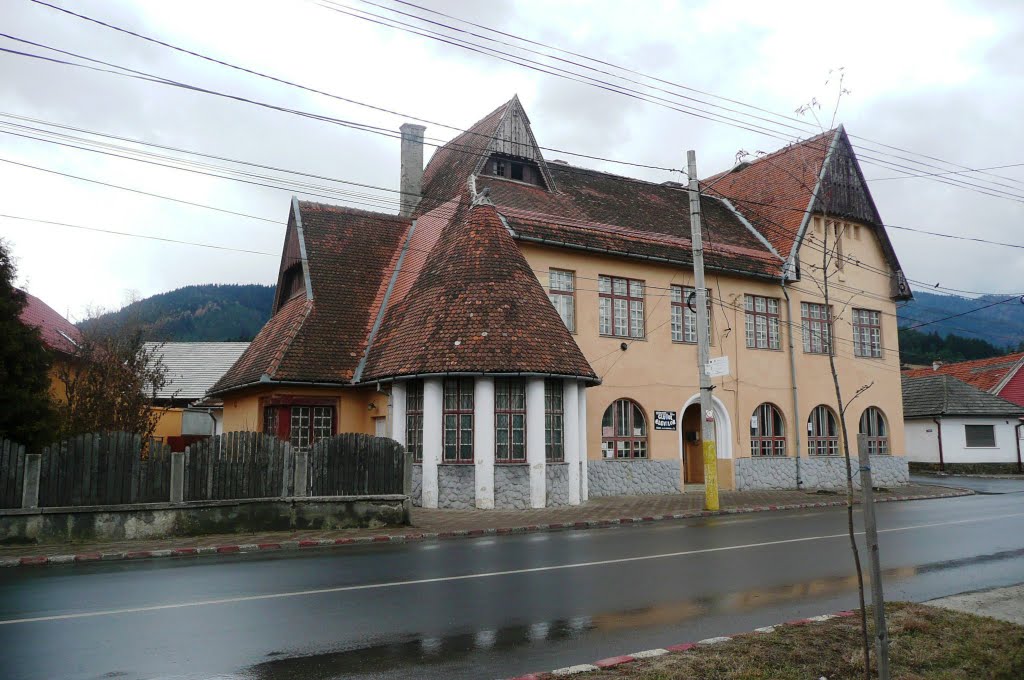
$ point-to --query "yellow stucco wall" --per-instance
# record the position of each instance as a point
(352, 405)
(662, 375)
(169, 424)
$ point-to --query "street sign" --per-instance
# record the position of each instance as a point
(716, 367)
(664, 420)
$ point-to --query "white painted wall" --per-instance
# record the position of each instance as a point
(433, 396)
(535, 457)
(584, 483)
(483, 441)
(923, 447)
(571, 432)
(396, 414)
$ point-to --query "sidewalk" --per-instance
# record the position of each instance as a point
(429, 523)
(1006, 604)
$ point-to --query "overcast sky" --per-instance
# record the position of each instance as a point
(934, 77)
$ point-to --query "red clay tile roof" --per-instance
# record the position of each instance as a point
(350, 252)
(985, 374)
(774, 191)
(59, 334)
(475, 307)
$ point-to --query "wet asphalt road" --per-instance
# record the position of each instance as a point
(488, 607)
(976, 484)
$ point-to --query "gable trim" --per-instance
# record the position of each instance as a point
(302, 248)
(1008, 377)
(758, 235)
(516, 105)
(358, 375)
(802, 231)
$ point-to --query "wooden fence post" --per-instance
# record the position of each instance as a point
(177, 477)
(30, 488)
(288, 469)
(301, 473)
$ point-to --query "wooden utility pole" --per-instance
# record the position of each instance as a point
(703, 342)
(871, 536)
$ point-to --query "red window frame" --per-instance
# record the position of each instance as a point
(458, 409)
(558, 292)
(554, 421)
(876, 427)
(279, 410)
(509, 405)
(758, 309)
(606, 286)
(816, 330)
(618, 432)
(822, 432)
(867, 333)
(768, 437)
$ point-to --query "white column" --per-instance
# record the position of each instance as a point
(584, 486)
(535, 457)
(396, 417)
(483, 442)
(571, 432)
(433, 396)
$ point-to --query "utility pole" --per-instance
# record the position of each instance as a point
(871, 536)
(703, 342)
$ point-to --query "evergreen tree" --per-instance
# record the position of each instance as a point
(26, 411)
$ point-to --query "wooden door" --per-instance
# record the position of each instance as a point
(692, 446)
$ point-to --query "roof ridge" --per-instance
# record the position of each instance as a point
(334, 207)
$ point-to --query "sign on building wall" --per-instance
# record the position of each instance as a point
(664, 420)
(716, 367)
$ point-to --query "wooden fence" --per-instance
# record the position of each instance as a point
(238, 465)
(112, 468)
(12, 473)
(105, 468)
(356, 464)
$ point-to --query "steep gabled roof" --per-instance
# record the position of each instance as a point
(320, 335)
(475, 307)
(943, 395)
(59, 334)
(985, 374)
(778, 192)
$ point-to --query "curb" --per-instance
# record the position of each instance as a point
(306, 544)
(615, 661)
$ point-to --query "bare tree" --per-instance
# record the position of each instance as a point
(111, 382)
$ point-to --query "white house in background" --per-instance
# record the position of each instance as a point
(953, 426)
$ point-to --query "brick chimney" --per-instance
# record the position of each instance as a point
(411, 181)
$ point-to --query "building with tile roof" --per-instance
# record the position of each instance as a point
(1002, 376)
(526, 326)
(953, 425)
(59, 335)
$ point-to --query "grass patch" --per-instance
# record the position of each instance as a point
(926, 643)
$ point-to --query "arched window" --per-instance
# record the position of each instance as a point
(872, 423)
(624, 431)
(767, 431)
(822, 432)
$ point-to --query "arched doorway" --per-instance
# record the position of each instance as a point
(691, 447)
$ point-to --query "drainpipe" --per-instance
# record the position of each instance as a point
(942, 461)
(792, 378)
(1020, 465)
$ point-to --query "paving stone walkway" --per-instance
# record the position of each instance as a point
(430, 523)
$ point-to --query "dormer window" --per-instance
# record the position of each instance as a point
(520, 170)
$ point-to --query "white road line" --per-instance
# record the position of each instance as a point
(490, 574)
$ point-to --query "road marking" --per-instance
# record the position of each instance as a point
(490, 574)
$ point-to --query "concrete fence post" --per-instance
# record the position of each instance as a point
(301, 473)
(30, 488)
(178, 477)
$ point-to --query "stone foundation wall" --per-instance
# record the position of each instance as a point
(818, 472)
(512, 487)
(417, 485)
(557, 484)
(968, 468)
(632, 477)
(456, 486)
(768, 472)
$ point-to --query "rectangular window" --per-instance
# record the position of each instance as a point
(414, 419)
(621, 311)
(300, 428)
(310, 424)
(554, 422)
(816, 327)
(510, 420)
(762, 321)
(458, 420)
(867, 333)
(562, 293)
(980, 436)
(270, 421)
(683, 320)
